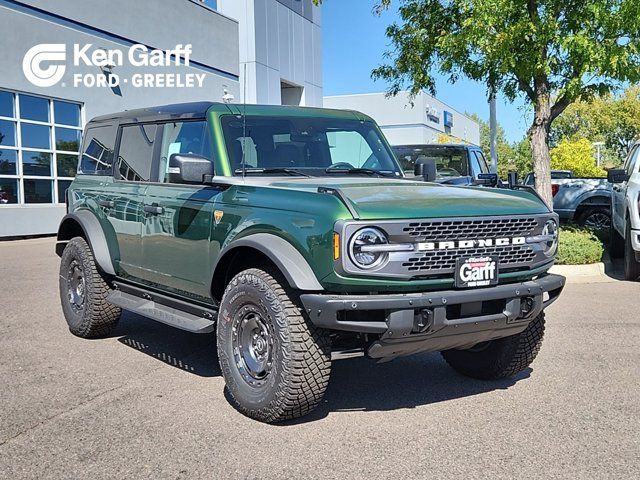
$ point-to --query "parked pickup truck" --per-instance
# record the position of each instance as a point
(456, 164)
(625, 224)
(292, 233)
(586, 201)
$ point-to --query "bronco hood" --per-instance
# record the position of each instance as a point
(383, 198)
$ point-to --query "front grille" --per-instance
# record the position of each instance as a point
(431, 261)
(446, 259)
(471, 229)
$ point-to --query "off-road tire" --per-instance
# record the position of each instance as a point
(95, 317)
(631, 265)
(616, 243)
(301, 353)
(499, 358)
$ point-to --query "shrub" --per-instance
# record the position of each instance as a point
(578, 246)
(577, 156)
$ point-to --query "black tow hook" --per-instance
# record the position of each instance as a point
(526, 306)
(422, 321)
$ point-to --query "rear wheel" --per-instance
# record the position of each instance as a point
(631, 265)
(83, 292)
(596, 218)
(275, 363)
(500, 358)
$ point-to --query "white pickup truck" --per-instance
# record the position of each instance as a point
(625, 224)
(586, 201)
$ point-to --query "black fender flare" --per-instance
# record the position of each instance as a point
(93, 233)
(283, 254)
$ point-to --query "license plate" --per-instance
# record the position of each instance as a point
(476, 271)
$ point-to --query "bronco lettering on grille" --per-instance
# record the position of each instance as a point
(483, 242)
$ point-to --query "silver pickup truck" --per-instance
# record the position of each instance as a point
(586, 201)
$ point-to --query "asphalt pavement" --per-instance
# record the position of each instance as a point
(149, 401)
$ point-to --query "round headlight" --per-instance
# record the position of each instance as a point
(550, 247)
(363, 256)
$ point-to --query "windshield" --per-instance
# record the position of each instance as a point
(310, 146)
(450, 161)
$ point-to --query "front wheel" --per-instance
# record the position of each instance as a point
(275, 363)
(616, 243)
(631, 265)
(499, 358)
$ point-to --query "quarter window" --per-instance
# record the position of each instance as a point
(136, 152)
(39, 140)
(97, 151)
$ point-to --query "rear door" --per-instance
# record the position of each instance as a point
(132, 173)
(176, 236)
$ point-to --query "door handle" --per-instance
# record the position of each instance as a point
(106, 203)
(153, 209)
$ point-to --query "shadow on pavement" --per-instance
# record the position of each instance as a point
(193, 353)
(357, 384)
(361, 384)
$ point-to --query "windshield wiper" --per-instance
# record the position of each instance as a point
(355, 171)
(288, 171)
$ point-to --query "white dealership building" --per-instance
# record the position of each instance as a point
(406, 121)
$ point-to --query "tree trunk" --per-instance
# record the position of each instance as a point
(539, 138)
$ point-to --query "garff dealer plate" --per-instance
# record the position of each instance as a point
(476, 271)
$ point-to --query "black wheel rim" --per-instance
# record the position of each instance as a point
(75, 285)
(252, 346)
(598, 221)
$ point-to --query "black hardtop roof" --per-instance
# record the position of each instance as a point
(174, 110)
(199, 110)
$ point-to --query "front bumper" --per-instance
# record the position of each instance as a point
(432, 321)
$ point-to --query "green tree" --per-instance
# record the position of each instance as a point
(553, 52)
(518, 160)
(612, 119)
(577, 156)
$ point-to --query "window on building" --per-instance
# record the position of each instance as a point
(39, 145)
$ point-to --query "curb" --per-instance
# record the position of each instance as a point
(591, 273)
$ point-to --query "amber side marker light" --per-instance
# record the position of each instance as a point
(336, 246)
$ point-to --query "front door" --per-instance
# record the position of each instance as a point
(177, 229)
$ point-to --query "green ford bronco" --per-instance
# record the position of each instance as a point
(293, 234)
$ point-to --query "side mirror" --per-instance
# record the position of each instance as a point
(486, 179)
(190, 168)
(617, 175)
(425, 168)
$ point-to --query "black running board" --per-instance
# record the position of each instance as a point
(147, 306)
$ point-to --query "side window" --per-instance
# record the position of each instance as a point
(135, 154)
(97, 151)
(183, 137)
(348, 147)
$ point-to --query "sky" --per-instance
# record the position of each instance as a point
(353, 43)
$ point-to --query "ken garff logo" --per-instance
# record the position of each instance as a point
(41, 66)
